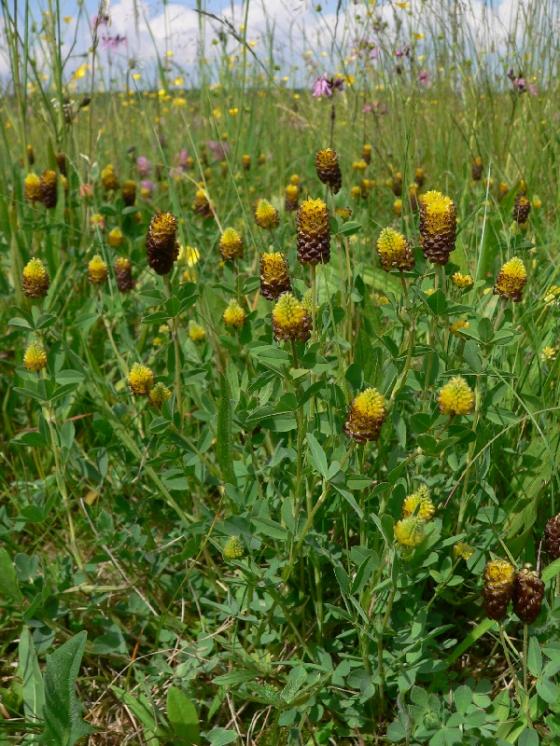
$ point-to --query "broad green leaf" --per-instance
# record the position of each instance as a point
(62, 711)
(32, 681)
(9, 588)
(318, 457)
(183, 717)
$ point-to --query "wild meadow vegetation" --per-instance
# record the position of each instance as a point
(279, 376)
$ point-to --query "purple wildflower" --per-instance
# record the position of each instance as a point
(113, 42)
(322, 87)
(218, 149)
(182, 158)
(424, 78)
(146, 188)
(143, 166)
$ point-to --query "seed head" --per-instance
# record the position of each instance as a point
(499, 578)
(511, 280)
(231, 245)
(410, 531)
(420, 176)
(97, 270)
(123, 274)
(246, 161)
(234, 315)
(129, 192)
(49, 193)
(456, 397)
(366, 152)
(266, 216)
(365, 416)
(161, 243)
(313, 232)
(438, 226)
(201, 204)
(477, 168)
(521, 209)
(552, 536)
(394, 250)
(140, 379)
(328, 170)
(290, 319)
(274, 275)
(35, 357)
(528, 594)
(35, 279)
(396, 183)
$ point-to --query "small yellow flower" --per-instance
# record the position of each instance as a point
(35, 357)
(462, 550)
(410, 531)
(397, 207)
(552, 295)
(365, 416)
(456, 397)
(233, 112)
(97, 220)
(159, 394)
(462, 281)
(420, 504)
(140, 379)
(197, 333)
(234, 315)
(549, 353)
(97, 270)
(231, 245)
(511, 280)
(290, 319)
(115, 238)
(438, 211)
(359, 165)
(233, 548)
(394, 250)
(32, 187)
(537, 202)
(266, 216)
(109, 178)
(35, 279)
(457, 326)
(179, 102)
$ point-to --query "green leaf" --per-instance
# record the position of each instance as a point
(224, 428)
(63, 721)
(183, 717)
(221, 736)
(534, 657)
(9, 588)
(32, 681)
(318, 458)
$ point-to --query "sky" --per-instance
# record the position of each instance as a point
(296, 25)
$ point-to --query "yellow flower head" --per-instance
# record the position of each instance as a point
(266, 216)
(394, 251)
(35, 357)
(97, 270)
(140, 379)
(294, 179)
(197, 333)
(159, 394)
(420, 504)
(552, 295)
(462, 281)
(410, 531)
(438, 210)
(246, 161)
(456, 397)
(313, 217)
(549, 353)
(498, 572)
(397, 207)
(462, 550)
(231, 245)
(32, 187)
(109, 178)
(359, 165)
(233, 548)
(356, 192)
(290, 319)
(328, 170)
(234, 315)
(115, 238)
(365, 416)
(291, 192)
(420, 176)
(511, 280)
(35, 279)
(457, 326)
(274, 275)
(366, 152)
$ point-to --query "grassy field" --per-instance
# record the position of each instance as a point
(280, 425)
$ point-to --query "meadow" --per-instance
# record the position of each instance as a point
(279, 384)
